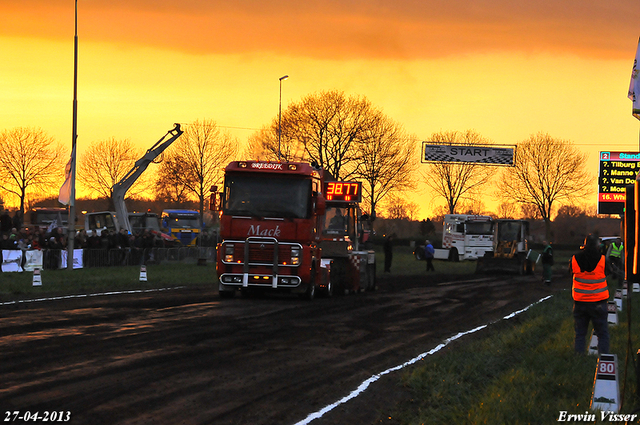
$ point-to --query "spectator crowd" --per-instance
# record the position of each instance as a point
(17, 236)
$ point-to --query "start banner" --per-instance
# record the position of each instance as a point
(489, 155)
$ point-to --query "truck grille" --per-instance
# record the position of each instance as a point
(261, 252)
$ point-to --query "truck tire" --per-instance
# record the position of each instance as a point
(480, 265)
(371, 277)
(453, 255)
(338, 275)
(310, 293)
(328, 292)
(522, 265)
(226, 294)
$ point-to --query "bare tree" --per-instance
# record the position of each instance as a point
(197, 159)
(472, 207)
(348, 137)
(507, 210)
(387, 159)
(456, 181)
(547, 170)
(399, 208)
(331, 127)
(105, 163)
(169, 184)
(263, 145)
(29, 162)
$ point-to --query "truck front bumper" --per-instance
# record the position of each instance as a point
(266, 281)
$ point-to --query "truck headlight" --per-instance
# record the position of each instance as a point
(295, 256)
(228, 253)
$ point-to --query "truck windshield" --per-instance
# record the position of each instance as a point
(479, 228)
(184, 221)
(337, 221)
(142, 222)
(267, 196)
(48, 217)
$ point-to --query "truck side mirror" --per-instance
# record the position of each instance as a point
(215, 203)
(321, 204)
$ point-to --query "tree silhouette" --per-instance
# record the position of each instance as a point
(105, 163)
(547, 170)
(457, 181)
(197, 159)
(29, 163)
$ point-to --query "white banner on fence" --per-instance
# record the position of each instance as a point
(33, 259)
(77, 259)
(11, 260)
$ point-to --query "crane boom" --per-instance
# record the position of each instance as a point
(120, 189)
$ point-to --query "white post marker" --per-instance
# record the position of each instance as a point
(618, 299)
(612, 318)
(636, 287)
(624, 288)
(143, 273)
(593, 345)
(606, 393)
(37, 278)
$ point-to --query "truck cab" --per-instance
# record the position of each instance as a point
(271, 220)
(182, 225)
(45, 219)
(344, 233)
(466, 236)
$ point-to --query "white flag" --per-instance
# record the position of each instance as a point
(634, 85)
(68, 186)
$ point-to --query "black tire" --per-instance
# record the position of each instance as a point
(371, 277)
(522, 265)
(227, 294)
(338, 275)
(453, 255)
(328, 291)
(480, 265)
(310, 293)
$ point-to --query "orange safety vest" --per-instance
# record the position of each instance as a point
(589, 286)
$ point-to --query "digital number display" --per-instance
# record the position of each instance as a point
(343, 191)
(617, 170)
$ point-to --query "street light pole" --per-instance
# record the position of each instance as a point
(280, 115)
(71, 229)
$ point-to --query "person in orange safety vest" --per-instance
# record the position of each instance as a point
(590, 295)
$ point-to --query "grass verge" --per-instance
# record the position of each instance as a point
(104, 279)
(518, 371)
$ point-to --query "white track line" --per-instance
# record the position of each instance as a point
(374, 378)
(65, 297)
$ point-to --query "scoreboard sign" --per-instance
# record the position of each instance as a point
(343, 191)
(617, 170)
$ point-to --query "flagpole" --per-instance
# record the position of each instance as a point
(71, 230)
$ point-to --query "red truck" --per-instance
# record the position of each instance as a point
(276, 237)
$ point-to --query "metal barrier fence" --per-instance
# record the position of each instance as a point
(131, 256)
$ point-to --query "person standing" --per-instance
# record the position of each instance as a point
(615, 253)
(428, 255)
(547, 262)
(388, 253)
(590, 295)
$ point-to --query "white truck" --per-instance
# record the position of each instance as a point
(464, 237)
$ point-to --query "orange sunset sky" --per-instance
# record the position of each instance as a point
(505, 68)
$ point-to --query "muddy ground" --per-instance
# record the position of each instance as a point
(183, 356)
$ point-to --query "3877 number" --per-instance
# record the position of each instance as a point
(46, 416)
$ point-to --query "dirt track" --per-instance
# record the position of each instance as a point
(184, 356)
